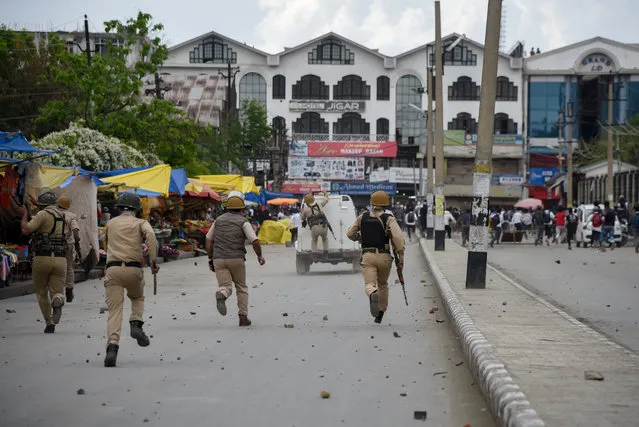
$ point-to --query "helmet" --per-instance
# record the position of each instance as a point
(64, 202)
(129, 200)
(379, 198)
(47, 199)
(309, 199)
(236, 193)
(235, 202)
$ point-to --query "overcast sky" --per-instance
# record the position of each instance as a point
(393, 26)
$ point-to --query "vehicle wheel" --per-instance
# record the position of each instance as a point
(301, 266)
(624, 240)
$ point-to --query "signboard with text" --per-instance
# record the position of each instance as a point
(362, 188)
(407, 175)
(328, 106)
(305, 187)
(327, 168)
(508, 180)
(502, 139)
(343, 149)
(539, 176)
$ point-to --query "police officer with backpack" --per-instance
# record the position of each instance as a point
(313, 216)
(49, 246)
(376, 230)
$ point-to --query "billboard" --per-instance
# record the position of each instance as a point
(343, 149)
(539, 176)
(362, 188)
(305, 187)
(328, 168)
(502, 139)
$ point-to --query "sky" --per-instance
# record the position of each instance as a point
(392, 26)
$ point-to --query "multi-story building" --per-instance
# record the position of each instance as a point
(574, 79)
(353, 114)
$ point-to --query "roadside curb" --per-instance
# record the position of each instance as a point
(507, 402)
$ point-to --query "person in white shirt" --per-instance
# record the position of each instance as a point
(410, 220)
(449, 220)
(295, 224)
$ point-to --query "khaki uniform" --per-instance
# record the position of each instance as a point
(72, 226)
(49, 271)
(123, 240)
(377, 265)
(317, 231)
(229, 234)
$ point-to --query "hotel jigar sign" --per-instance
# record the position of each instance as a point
(328, 106)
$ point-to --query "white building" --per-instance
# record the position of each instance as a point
(331, 89)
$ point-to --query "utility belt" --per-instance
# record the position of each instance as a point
(317, 220)
(376, 250)
(56, 254)
(44, 245)
(123, 264)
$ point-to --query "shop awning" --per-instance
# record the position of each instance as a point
(116, 172)
(198, 189)
(156, 179)
(225, 183)
(178, 182)
(283, 201)
(15, 142)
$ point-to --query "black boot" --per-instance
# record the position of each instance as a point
(57, 309)
(138, 334)
(379, 317)
(69, 294)
(50, 329)
(112, 355)
(374, 304)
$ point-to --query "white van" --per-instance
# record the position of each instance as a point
(340, 213)
(584, 229)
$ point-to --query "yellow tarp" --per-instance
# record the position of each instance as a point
(218, 187)
(245, 184)
(274, 232)
(154, 179)
(53, 177)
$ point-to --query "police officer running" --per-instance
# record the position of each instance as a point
(73, 242)
(49, 245)
(225, 246)
(313, 215)
(123, 239)
(376, 229)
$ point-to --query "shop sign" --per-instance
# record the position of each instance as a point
(327, 168)
(508, 180)
(596, 63)
(303, 187)
(498, 139)
(363, 188)
(328, 106)
(539, 176)
(379, 175)
(407, 175)
(343, 149)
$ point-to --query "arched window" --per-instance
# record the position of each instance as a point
(279, 122)
(279, 87)
(351, 123)
(464, 89)
(410, 122)
(504, 124)
(331, 51)
(459, 55)
(506, 90)
(253, 87)
(351, 87)
(463, 121)
(383, 88)
(383, 126)
(310, 122)
(310, 87)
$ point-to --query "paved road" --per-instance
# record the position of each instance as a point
(201, 369)
(600, 289)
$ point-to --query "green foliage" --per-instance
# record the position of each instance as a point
(628, 150)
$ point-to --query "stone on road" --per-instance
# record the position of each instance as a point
(205, 370)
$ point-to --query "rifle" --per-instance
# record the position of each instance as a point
(328, 224)
(400, 275)
(155, 284)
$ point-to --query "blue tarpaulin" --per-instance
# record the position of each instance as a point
(178, 181)
(116, 172)
(270, 195)
(15, 142)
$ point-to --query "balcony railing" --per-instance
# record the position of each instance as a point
(339, 137)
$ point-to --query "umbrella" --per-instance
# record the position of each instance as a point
(529, 203)
(283, 201)
(197, 189)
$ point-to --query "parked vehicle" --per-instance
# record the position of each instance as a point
(584, 229)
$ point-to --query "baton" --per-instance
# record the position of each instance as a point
(155, 284)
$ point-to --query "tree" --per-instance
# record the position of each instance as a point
(26, 80)
(92, 150)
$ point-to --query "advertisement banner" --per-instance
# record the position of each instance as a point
(407, 175)
(539, 176)
(502, 139)
(362, 188)
(454, 137)
(305, 187)
(327, 168)
(379, 175)
(343, 149)
(508, 180)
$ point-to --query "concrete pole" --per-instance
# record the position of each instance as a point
(440, 241)
(429, 153)
(478, 251)
(610, 180)
(569, 160)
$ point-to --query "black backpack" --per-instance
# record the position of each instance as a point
(610, 216)
(411, 217)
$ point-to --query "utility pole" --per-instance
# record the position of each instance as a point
(86, 37)
(569, 195)
(478, 253)
(610, 180)
(158, 90)
(429, 151)
(227, 110)
(440, 241)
